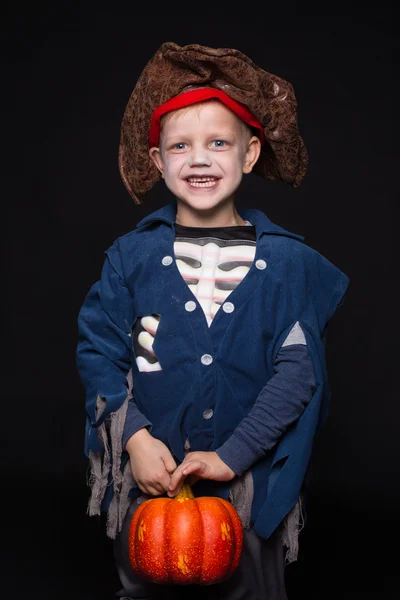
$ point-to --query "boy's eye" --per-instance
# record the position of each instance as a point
(218, 143)
(179, 146)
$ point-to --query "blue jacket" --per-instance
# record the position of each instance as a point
(222, 367)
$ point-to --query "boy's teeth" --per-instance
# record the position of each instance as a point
(202, 181)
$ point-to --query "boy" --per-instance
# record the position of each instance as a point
(202, 346)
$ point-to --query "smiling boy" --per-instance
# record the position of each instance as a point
(204, 151)
(213, 317)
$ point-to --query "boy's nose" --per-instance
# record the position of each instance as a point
(199, 158)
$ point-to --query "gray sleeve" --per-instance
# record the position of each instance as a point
(134, 421)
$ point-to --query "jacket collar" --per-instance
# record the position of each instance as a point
(262, 224)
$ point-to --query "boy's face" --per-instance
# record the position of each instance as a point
(204, 151)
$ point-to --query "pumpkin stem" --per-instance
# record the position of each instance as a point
(186, 492)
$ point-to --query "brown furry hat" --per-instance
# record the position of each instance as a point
(176, 69)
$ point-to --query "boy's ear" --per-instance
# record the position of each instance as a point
(252, 154)
(155, 156)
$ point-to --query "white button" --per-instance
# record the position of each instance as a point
(207, 414)
(140, 499)
(261, 264)
(167, 260)
(228, 307)
(190, 305)
(206, 359)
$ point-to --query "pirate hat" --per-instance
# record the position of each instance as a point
(175, 70)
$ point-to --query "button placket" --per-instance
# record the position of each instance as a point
(199, 323)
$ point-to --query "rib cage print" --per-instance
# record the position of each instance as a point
(212, 268)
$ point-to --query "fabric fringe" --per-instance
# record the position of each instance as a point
(291, 527)
(114, 522)
(106, 463)
(99, 465)
(241, 495)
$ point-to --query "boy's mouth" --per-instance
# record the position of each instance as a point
(202, 182)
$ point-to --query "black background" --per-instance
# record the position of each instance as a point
(67, 75)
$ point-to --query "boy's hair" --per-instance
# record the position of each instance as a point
(174, 70)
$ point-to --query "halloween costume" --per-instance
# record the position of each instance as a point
(149, 351)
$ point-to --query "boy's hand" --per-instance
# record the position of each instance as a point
(199, 465)
(151, 462)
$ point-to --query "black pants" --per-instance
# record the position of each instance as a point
(259, 576)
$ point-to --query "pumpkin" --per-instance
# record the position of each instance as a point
(185, 540)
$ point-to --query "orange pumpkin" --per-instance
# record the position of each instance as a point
(185, 540)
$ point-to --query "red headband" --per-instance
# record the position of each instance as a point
(193, 97)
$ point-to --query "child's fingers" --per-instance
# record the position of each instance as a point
(183, 471)
(176, 478)
(176, 481)
(169, 463)
(194, 467)
(165, 481)
(154, 489)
